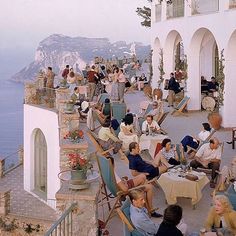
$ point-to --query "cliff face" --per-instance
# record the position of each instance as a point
(58, 50)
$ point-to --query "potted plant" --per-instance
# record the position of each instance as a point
(79, 166)
(75, 135)
(69, 106)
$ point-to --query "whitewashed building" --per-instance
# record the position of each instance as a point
(202, 28)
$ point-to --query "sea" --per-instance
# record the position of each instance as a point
(11, 118)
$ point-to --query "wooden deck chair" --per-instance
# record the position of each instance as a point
(102, 97)
(203, 142)
(124, 214)
(180, 153)
(160, 120)
(94, 139)
(98, 118)
(181, 106)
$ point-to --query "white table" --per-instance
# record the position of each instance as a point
(150, 142)
(175, 186)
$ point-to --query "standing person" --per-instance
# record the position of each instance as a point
(50, 75)
(92, 77)
(121, 85)
(114, 86)
(171, 90)
(65, 72)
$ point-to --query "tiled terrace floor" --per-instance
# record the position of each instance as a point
(22, 203)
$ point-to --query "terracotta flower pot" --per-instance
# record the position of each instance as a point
(215, 119)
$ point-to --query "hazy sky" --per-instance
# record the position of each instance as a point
(24, 23)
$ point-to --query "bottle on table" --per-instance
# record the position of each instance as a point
(147, 130)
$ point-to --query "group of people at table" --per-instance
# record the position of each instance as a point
(208, 156)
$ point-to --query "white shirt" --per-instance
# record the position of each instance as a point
(207, 153)
(203, 135)
(153, 125)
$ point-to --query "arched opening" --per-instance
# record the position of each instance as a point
(155, 62)
(203, 58)
(173, 52)
(40, 164)
(229, 114)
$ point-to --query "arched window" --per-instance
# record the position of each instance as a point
(40, 166)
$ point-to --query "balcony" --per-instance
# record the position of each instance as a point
(204, 7)
(157, 12)
(232, 4)
(176, 9)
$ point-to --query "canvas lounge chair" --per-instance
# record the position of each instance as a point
(124, 214)
(179, 110)
(94, 139)
(102, 97)
(109, 184)
(161, 119)
(203, 142)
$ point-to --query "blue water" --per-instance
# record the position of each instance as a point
(11, 116)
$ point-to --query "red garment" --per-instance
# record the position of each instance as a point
(91, 76)
(65, 73)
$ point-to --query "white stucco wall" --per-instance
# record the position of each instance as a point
(47, 121)
(197, 31)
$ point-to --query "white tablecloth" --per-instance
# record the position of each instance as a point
(175, 186)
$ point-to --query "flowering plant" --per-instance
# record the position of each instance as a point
(75, 135)
(77, 162)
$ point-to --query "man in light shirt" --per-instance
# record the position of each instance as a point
(150, 125)
(208, 156)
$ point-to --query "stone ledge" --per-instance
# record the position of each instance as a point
(90, 194)
(83, 145)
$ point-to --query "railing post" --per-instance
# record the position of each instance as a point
(5, 202)
(2, 164)
(21, 154)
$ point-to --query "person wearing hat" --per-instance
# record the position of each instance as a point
(193, 142)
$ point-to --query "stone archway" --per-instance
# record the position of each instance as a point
(201, 62)
(155, 62)
(229, 114)
(40, 164)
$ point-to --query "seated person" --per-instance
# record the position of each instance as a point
(171, 220)
(167, 155)
(139, 214)
(143, 223)
(194, 142)
(150, 126)
(157, 109)
(221, 215)
(108, 140)
(127, 134)
(75, 97)
(137, 165)
(227, 174)
(106, 108)
(125, 184)
(208, 156)
(204, 85)
(213, 85)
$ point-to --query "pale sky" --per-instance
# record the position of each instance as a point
(24, 23)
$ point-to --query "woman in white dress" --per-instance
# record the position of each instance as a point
(127, 133)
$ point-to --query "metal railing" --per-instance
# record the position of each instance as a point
(176, 9)
(204, 7)
(11, 161)
(232, 4)
(64, 225)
